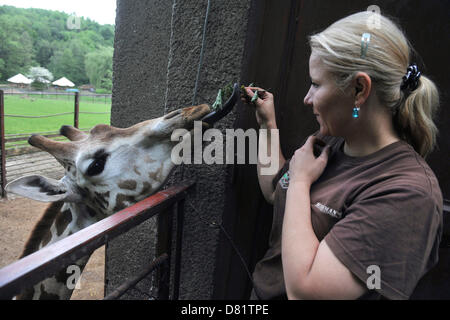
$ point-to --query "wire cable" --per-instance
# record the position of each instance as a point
(202, 53)
(233, 245)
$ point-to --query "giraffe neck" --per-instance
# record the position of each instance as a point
(59, 221)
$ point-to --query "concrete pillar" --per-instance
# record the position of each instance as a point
(156, 59)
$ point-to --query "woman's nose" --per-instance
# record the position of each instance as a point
(307, 100)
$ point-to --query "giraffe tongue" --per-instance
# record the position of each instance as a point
(216, 115)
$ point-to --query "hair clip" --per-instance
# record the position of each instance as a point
(365, 40)
(410, 80)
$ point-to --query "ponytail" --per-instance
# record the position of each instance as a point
(413, 119)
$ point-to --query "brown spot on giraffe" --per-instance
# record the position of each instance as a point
(157, 175)
(47, 296)
(62, 221)
(153, 176)
(107, 133)
(41, 232)
(46, 238)
(102, 199)
(146, 189)
(193, 111)
(149, 159)
(120, 201)
(128, 185)
(91, 211)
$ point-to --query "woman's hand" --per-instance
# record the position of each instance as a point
(304, 166)
(264, 105)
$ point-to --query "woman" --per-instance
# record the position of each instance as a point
(363, 219)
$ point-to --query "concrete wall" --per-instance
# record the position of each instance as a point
(157, 51)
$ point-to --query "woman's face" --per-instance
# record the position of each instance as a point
(331, 106)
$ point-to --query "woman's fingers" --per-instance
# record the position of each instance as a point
(310, 143)
(255, 88)
(252, 96)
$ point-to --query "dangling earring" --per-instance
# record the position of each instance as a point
(356, 112)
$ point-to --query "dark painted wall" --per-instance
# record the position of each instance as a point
(276, 58)
(155, 63)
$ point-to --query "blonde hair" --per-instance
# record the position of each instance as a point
(386, 60)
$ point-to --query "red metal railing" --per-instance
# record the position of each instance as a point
(44, 263)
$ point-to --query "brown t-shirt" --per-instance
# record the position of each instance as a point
(382, 210)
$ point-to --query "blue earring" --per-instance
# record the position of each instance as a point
(356, 112)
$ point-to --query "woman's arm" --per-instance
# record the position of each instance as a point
(311, 270)
(265, 116)
(265, 180)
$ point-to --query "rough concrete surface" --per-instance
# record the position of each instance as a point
(157, 53)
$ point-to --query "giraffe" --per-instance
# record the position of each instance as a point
(106, 170)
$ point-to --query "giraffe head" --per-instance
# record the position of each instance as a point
(109, 168)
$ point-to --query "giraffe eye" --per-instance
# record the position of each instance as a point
(97, 166)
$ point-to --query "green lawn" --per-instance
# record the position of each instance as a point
(37, 106)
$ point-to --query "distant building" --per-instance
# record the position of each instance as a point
(87, 87)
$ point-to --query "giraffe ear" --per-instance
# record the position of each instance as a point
(40, 188)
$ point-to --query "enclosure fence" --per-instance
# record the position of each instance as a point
(14, 142)
(2, 146)
(44, 263)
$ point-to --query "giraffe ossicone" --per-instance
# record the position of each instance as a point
(106, 170)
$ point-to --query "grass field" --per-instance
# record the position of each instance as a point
(37, 106)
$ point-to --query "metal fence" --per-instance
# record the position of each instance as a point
(44, 263)
(2, 146)
(58, 95)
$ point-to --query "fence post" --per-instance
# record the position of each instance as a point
(2, 147)
(179, 244)
(77, 109)
(164, 245)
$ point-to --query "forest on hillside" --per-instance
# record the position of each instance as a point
(43, 38)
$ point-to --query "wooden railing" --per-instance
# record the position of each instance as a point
(44, 263)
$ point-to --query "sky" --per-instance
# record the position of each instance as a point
(101, 11)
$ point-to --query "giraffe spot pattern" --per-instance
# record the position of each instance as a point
(41, 232)
(62, 221)
(47, 296)
(147, 188)
(121, 200)
(128, 185)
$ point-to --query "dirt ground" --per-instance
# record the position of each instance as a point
(17, 219)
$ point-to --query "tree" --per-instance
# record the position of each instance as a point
(99, 67)
(39, 74)
(2, 67)
(44, 52)
(69, 62)
(30, 37)
(41, 77)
